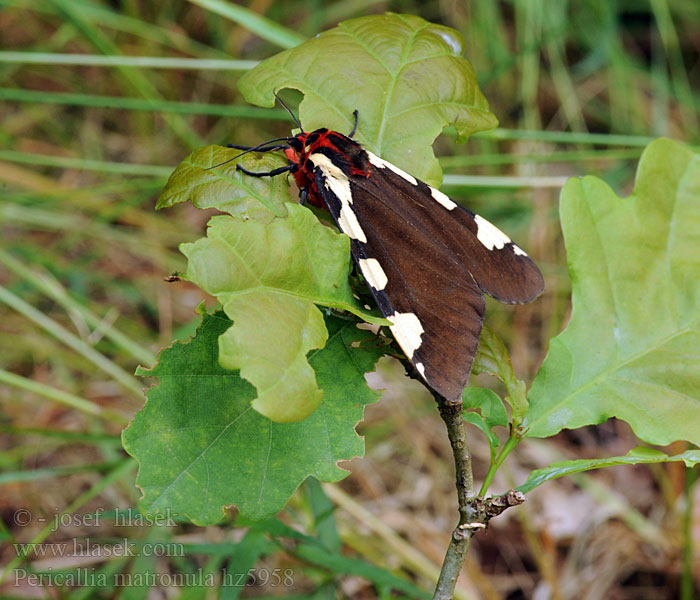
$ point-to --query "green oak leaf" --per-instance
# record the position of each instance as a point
(631, 349)
(269, 342)
(268, 277)
(405, 76)
(201, 446)
(491, 413)
(636, 456)
(492, 357)
(209, 179)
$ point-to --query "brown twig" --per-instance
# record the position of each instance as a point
(474, 512)
(451, 414)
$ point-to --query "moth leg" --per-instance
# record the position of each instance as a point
(266, 173)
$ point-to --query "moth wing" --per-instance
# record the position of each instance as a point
(427, 261)
(435, 305)
(500, 267)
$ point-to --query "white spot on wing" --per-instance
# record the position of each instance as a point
(420, 367)
(373, 273)
(490, 235)
(332, 172)
(380, 163)
(518, 250)
(407, 330)
(338, 183)
(441, 198)
(349, 225)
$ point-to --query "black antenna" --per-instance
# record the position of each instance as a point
(289, 110)
(253, 149)
(262, 147)
(356, 114)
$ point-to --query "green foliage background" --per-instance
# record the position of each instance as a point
(578, 87)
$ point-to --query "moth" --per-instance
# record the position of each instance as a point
(427, 260)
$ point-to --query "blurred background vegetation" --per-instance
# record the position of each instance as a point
(87, 142)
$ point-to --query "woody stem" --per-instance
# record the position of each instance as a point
(451, 414)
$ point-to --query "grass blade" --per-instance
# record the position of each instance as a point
(259, 25)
